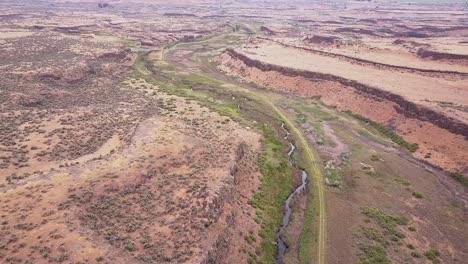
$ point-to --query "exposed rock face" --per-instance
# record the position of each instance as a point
(225, 214)
(358, 31)
(402, 105)
(413, 34)
(267, 30)
(409, 43)
(322, 39)
(179, 15)
(424, 53)
(103, 5)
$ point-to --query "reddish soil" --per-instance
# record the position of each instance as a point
(448, 150)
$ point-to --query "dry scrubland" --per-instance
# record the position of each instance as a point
(101, 162)
(99, 166)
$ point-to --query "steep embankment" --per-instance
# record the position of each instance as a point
(441, 139)
(435, 55)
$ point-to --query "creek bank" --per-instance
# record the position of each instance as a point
(281, 243)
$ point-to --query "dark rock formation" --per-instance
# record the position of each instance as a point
(317, 39)
(267, 30)
(424, 53)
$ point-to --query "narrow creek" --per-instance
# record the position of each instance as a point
(282, 245)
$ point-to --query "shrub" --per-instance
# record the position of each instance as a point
(250, 239)
(373, 255)
(387, 222)
(460, 178)
(372, 234)
(415, 254)
(129, 245)
(418, 195)
(410, 246)
(432, 254)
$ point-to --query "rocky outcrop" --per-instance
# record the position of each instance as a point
(356, 30)
(409, 43)
(267, 31)
(224, 216)
(219, 251)
(317, 39)
(403, 106)
(118, 54)
(412, 34)
(179, 15)
(424, 53)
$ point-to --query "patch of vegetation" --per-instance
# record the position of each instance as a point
(332, 177)
(274, 189)
(373, 254)
(460, 178)
(415, 254)
(250, 238)
(300, 118)
(307, 235)
(403, 181)
(387, 222)
(388, 132)
(374, 248)
(375, 157)
(432, 255)
(418, 195)
(374, 235)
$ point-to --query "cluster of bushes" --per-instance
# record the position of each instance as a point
(385, 221)
(460, 178)
(373, 254)
(376, 252)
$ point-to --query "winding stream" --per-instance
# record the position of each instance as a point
(287, 132)
(282, 245)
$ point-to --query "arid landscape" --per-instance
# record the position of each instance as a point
(140, 131)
